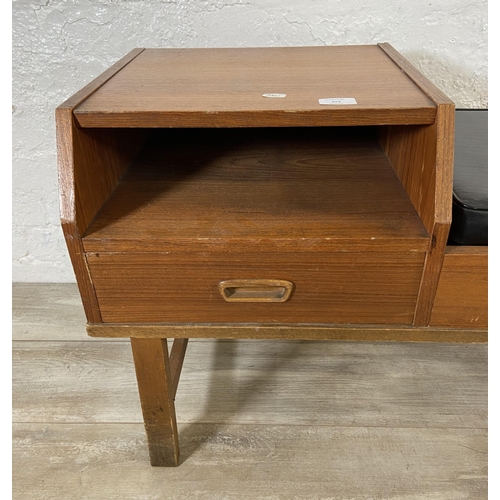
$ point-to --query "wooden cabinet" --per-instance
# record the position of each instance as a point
(319, 207)
(226, 192)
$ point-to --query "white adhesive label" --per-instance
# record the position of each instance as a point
(276, 96)
(337, 100)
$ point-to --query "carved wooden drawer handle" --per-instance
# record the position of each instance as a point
(255, 290)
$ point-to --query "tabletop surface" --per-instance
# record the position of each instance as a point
(204, 87)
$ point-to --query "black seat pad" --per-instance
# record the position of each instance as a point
(470, 179)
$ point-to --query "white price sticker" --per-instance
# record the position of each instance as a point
(332, 101)
(276, 96)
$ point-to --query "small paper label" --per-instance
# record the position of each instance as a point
(276, 96)
(337, 100)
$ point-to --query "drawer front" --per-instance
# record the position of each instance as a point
(226, 287)
(462, 293)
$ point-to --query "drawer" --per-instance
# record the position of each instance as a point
(462, 293)
(328, 287)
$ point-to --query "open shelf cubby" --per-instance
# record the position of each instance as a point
(320, 207)
(228, 185)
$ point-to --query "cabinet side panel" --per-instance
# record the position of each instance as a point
(422, 157)
(443, 191)
(100, 158)
(72, 235)
(412, 153)
(89, 165)
(423, 160)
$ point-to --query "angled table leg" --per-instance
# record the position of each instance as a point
(156, 391)
(176, 359)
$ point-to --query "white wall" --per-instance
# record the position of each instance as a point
(58, 46)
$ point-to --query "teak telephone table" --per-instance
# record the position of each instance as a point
(296, 193)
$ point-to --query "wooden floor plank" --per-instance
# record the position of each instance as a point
(272, 382)
(249, 462)
(47, 311)
(50, 311)
(258, 419)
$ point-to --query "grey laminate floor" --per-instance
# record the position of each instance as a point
(257, 419)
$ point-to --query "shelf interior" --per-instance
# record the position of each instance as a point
(232, 185)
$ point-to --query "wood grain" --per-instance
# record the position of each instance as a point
(309, 331)
(157, 86)
(403, 419)
(329, 287)
(412, 153)
(243, 462)
(244, 188)
(100, 158)
(224, 87)
(271, 382)
(462, 294)
(157, 393)
(90, 164)
(47, 311)
(423, 83)
(445, 132)
(177, 354)
(430, 277)
(65, 131)
(87, 173)
(82, 273)
(84, 93)
(423, 160)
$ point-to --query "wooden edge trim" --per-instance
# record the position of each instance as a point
(430, 276)
(445, 126)
(65, 129)
(445, 151)
(80, 267)
(423, 83)
(93, 245)
(297, 332)
(234, 119)
(65, 164)
(445, 122)
(177, 354)
(64, 135)
(77, 98)
(443, 193)
(466, 250)
(67, 207)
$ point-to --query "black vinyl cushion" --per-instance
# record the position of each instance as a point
(470, 179)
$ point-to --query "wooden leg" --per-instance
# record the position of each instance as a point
(156, 391)
(176, 359)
